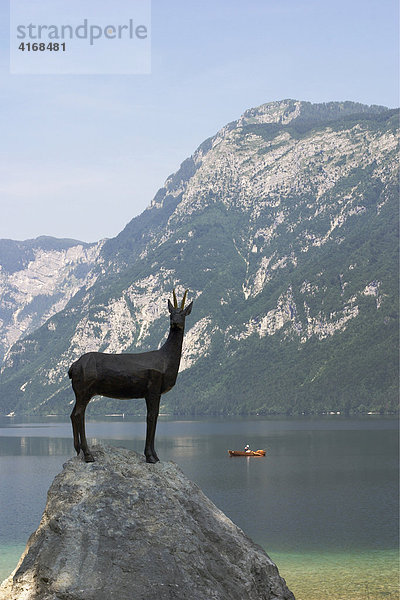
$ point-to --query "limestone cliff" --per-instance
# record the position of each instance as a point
(284, 227)
(37, 279)
(122, 529)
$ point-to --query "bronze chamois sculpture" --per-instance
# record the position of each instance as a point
(125, 376)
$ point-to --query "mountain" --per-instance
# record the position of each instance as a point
(37, 279)
(284, 228)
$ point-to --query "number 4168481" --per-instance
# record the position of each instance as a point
(41, 47)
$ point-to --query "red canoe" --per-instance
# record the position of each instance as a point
(248, 453)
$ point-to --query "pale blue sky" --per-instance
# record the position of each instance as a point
(82, 155)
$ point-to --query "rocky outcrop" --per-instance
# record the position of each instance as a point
(122, 529)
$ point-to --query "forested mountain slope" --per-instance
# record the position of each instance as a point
(284, 228)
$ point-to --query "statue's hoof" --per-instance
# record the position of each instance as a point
(89, 458)
(152, 459)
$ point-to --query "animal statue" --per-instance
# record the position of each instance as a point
(125, 376)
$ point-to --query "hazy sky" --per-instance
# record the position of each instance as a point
(81, 155)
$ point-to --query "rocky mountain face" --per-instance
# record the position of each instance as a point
(37, 279)
(283, 226)
(121, 529)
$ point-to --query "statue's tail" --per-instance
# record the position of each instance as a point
(71, 370)
(84, 368)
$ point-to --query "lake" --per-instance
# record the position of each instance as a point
(323, 502)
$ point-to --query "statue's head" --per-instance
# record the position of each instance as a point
(177, 313)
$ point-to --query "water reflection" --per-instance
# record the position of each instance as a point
(326, 486)
(35, 446)
(323, 483)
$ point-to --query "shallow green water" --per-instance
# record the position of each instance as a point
(311, 576)
(370, 575)
(9, 556)
(324, 501)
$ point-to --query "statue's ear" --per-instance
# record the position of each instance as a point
(170, 307)
(188, 309)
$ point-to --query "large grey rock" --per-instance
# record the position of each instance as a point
(122, 529)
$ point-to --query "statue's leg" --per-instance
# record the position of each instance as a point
(153, 405)
(81, 421)
(153, 452)
(75, 426)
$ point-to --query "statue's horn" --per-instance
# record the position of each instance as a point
(175, 299)
(184, 299)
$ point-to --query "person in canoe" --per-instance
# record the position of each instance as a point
(246, 452)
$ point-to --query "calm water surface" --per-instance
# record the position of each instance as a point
(323, 502)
